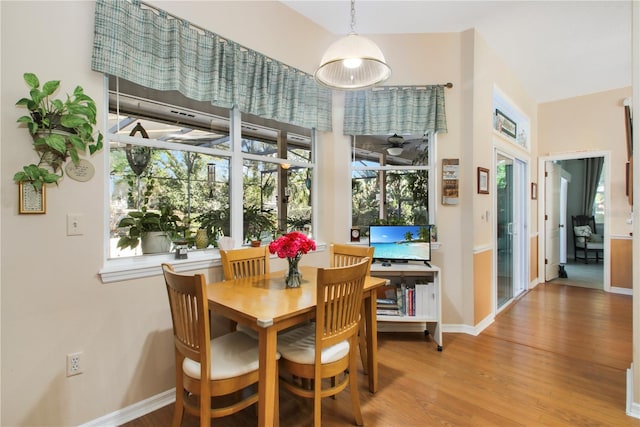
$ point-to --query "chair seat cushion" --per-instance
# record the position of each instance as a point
(299, 345)
(232, 355)
(590, 245)
(247, 331)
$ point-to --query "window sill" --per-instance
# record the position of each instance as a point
(128, 268)
(119, 269)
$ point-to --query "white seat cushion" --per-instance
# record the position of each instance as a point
(232, 354)
(247, 330)
(299, 345)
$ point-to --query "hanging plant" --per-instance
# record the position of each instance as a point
(60, 129)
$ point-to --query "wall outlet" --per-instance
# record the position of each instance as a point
(74, 364)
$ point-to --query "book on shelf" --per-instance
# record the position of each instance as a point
(384, 312)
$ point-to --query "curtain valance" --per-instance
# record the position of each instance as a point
(151, 48)
(399, 109)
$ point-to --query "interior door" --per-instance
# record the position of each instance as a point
(552, 220)
(504, 229)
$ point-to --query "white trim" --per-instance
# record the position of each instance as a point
(633, 409)
(137, 410)
(621, 291)
(483, 248)
(119, 269)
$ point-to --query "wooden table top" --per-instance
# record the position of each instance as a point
(265, 300)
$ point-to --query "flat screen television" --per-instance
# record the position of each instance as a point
(400, 243)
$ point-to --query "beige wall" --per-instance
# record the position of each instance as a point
(53, 301)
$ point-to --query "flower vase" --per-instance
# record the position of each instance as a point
(293, 277)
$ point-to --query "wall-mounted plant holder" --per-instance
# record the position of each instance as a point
(32, 200)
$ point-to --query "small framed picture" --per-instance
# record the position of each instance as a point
(483, 181)
(534, 191)
(505, 125)
(32, 200)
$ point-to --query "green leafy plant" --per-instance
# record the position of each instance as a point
(215, 222)
(257, 221)
(144, 221)
(59, 128)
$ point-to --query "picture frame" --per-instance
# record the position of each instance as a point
(31, 200)
(506, 125)
(483, 180)
(534, 191)
(628, 131)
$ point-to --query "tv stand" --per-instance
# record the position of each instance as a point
(423, 280)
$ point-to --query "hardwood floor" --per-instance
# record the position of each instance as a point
(556, 357)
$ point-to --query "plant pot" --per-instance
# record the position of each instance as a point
(256, 243)
(155, 242)
(202, 239)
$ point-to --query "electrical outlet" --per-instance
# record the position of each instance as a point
(74, 364)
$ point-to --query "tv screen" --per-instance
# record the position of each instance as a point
(400, 242)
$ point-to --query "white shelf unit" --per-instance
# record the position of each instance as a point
(413, 273)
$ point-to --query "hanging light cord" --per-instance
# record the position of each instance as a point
(353, 16)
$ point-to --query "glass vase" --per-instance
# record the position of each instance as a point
(293, 276)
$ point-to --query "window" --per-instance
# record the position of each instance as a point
(391, 186)
(169, 153)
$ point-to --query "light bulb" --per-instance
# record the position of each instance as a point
(352, 62)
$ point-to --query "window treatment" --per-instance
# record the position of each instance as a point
(592, 172)
(147, 46)
(402, 110)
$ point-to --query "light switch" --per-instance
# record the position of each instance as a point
(75, 224)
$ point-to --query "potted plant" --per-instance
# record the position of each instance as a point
(154, 230)
(213, 224)
(256, 222)
(60, 129)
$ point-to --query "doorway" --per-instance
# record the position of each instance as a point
(568, 190)
(511, 189)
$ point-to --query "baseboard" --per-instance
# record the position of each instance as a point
(633, 408)
(130, 413)
(622, 291)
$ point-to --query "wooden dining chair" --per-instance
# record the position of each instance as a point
(325, 349)
(245, 262)
(206, 368)
(343, 255)
(241, 263)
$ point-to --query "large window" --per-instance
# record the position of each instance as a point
(173, 163)
(390, 180)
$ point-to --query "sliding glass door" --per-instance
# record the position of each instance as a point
(511, 189)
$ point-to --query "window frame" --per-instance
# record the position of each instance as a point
(431, 169)
(139, 266)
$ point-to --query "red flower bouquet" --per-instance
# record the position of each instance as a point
(292, 246)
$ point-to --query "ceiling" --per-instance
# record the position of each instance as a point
(557, 49)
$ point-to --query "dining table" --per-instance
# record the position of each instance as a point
(267, 306)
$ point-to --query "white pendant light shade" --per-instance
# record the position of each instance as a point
(353, 62)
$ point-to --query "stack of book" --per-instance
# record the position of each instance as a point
(413, 300)
(388, 307)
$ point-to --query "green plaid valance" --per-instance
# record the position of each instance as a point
(151, 48)
(395, 109)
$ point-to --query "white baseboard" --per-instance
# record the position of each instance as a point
(633, 408)
(130, 413)
(622, 291)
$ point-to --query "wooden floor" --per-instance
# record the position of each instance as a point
(556, 357)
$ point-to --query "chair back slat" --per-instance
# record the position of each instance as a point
(344, 255)
(189, 313)
(339, 298)
(246, 262)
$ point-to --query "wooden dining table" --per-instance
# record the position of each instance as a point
(267, 306)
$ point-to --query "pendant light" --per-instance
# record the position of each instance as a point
(353, 62)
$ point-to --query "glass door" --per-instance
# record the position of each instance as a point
(512, 191)
(504, 229)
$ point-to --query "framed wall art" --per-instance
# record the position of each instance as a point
(505, 125)
(483, 181)
(31, 200)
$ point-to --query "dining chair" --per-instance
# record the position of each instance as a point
(324, 349)
(205, 368)
(245, 262)
(241, 263)
(343, 255)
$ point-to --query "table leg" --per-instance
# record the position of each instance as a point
(371, 330)
(268, 377)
